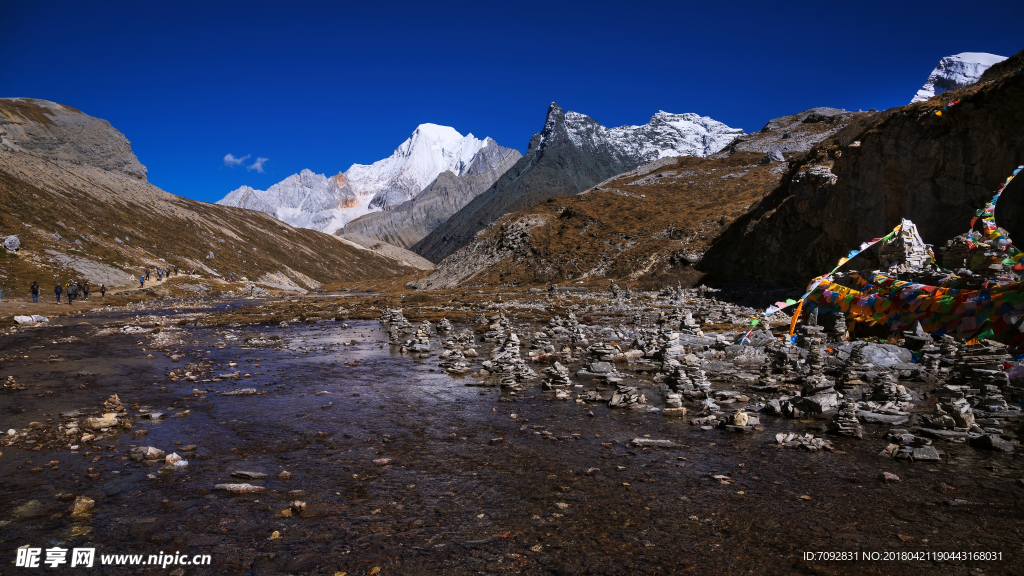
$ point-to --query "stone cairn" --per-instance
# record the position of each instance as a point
(625, 396)
(444, 326)
(419, 344)
(453, 359)
(397, 325)
(556, 377)
(839, 332)
(855, 372)
(978, 372)
(845, 421)
(497, 329)
(889, 390)
(819, 395)
(540, 347)
(507, 364)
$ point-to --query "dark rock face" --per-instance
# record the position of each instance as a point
(412, 220)
(937, 175)
(58, 132)
(572, 153)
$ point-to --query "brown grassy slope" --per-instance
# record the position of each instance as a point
(88, 208)
(636, 226)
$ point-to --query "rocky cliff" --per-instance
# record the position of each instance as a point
(83, 209)
(909, 162)
(57, 132)
(572, 153)
(407, 223)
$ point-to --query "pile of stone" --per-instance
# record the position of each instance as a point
(453, 359)
(419, 344)
(889, 391)
(541, 348)
(979, 371)
(804, 442)
(556, 377)
(507, 363)
(497, 329)
(687, 380)
(395, 317)
(626, 396)
(845, 421)
(857, 373)
(906, 446)
(839, 331)
(12, 384)
(567, 328)
(819, 395)
(444, 326)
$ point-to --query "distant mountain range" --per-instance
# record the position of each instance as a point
(570, 154)
(316, 201)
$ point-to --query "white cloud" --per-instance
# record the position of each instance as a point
(257, 165)
(230, 161)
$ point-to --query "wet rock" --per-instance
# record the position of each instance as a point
(875, 418)
(240, 392)
(108, 420)
(83, 505)
(146, 453)
(284, 475)
(888, 478)
(239, 488)
(651, 442)
(248, 475)
(991, 442)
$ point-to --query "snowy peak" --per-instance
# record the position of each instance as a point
(311, 200)
(955, 72)
(666, 134)
(431, 150)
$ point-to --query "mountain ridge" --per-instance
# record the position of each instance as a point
(570, 154)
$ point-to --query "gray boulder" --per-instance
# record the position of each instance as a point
(12, 242)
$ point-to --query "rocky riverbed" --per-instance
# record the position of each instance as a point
(535, 432)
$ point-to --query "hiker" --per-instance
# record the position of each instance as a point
(85, 289)
(71, 292)
(57, 290)
(159, 274)
(175, 270)
(142, 281)
(35, 292)
(147, 273)
(103, 290)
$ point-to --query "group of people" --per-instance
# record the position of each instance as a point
(73, 289)
(162, 273)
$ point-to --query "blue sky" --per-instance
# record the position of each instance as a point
(323, 85)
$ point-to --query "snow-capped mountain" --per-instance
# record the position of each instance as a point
(665, 135)
(310, 200)
(305, 200)
(570, 154)
(431, 150)
(955, 72)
